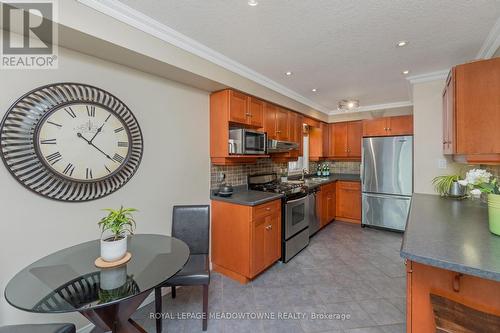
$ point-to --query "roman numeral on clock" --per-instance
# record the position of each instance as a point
(90, 110)
(88, 174)
(122, 144)
(48, 142)
(53, 158)
(109, 171)
(69, 169)
(119, 129)
(118, 158)
(70, 111)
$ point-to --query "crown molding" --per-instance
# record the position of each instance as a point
(140, 21)
(373, 107)
(432, 76)
(491, 43)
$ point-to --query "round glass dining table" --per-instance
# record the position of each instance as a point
(68, 281)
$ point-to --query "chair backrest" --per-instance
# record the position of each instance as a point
(191, 224)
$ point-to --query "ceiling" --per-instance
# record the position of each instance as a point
(343, 48)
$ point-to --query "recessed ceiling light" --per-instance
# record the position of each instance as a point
(252, 3)
(402, 43)
(314, 90)
(405, 72)
(288, 73)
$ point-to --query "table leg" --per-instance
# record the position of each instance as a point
(116, 317)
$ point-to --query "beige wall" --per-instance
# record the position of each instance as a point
(175, 168)
(428, 127)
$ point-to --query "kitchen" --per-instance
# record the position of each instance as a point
(340, 159)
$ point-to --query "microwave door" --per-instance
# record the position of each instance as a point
(254, 143)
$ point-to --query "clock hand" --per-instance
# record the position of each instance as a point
(93, 145)
(97, 132)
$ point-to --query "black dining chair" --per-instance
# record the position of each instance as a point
(39, 328)
(190, 224)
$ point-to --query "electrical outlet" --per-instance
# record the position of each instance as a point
(442, 163)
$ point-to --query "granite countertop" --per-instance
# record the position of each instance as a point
(452, 235)
(243, 196)
(332, 178)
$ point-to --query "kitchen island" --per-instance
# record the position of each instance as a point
(453, 265)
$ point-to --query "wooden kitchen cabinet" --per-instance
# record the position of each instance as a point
(345, 140)
(229, 108)
(245, 110)
(348, 201)
(255, 112)
(245, 240)
(449, 115)
(473, 292)
(276, 122)
(388, 126)
(471, 112)
(327, 204)
(400, 125)
(316, 142)
(282, 124)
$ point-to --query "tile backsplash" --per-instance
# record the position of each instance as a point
(237, 174)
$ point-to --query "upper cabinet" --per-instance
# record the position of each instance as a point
(232, 108)
(471, 112)
(282, 124)
(245, 110)
(276, 122)
(255, 112)
(388, 126)
(345, 140)
(316, 141)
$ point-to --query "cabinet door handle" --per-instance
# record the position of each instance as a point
(385, 128)
(456, 282)
(269, 227)
(268, 208)
(389, 129)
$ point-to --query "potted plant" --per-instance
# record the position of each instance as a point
(448, 186)
(481, 181)
(118, 223)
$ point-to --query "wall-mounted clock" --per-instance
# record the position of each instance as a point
(71, 142)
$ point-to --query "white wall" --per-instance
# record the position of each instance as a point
(174, 170)
(428, 135)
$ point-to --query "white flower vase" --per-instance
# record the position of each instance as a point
(113, 250)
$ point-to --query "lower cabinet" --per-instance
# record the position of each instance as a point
(327, 204)
(439, 300)
(245, 240)
(348, 201)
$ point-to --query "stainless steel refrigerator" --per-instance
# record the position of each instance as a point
(386, 181)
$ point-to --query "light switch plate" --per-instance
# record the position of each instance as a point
(442, 163)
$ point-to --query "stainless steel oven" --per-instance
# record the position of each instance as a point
(296, 216)
(243, 141)
(296, 226)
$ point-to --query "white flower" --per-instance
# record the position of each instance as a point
(477, 176)
(463, 182)
(476, 193)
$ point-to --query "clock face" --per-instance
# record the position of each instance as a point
(71, 142)
(84, 142)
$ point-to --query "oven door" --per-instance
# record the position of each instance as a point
(296, 216)
(254, 142)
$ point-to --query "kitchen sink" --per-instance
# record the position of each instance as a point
(319, 179)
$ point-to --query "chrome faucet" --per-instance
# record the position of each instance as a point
(304, 173)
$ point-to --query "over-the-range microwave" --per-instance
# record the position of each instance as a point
(244, 141)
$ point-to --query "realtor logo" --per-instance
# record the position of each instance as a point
(29, 34)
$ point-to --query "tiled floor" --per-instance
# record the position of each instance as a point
(345, 270)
